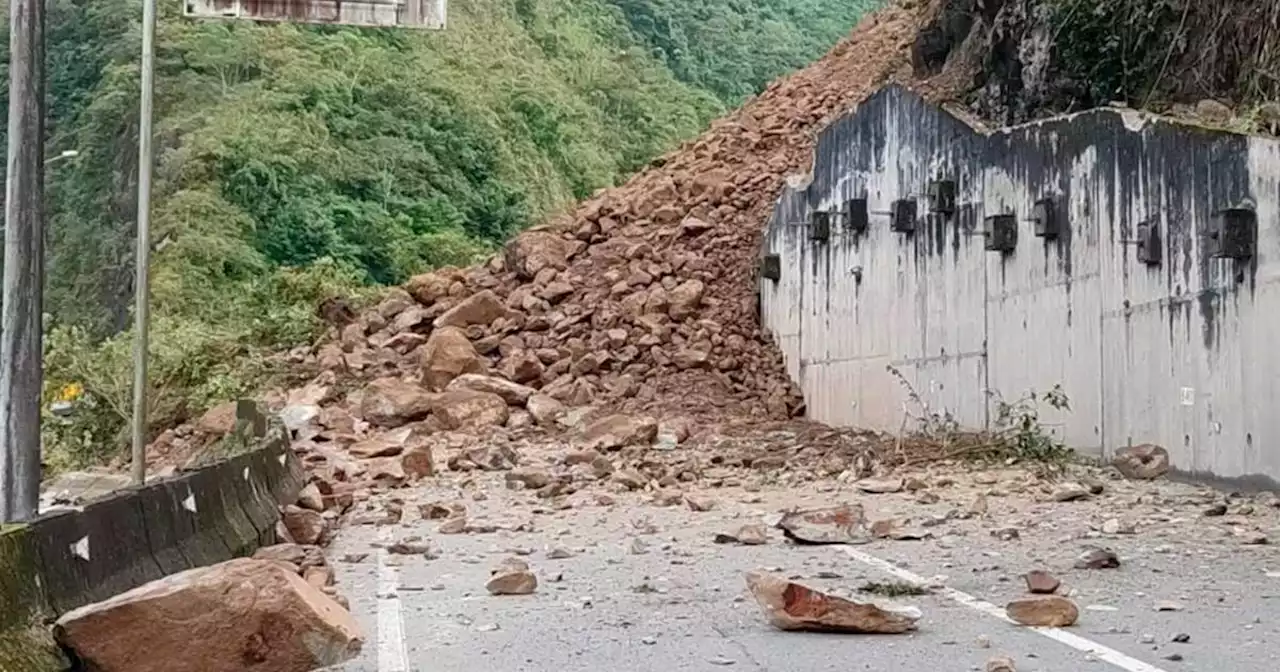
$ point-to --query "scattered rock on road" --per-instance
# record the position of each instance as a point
(1001, 664)
(1051, 611)
(747, 535)
(1041, 582)
(1070, 492)
(879, 486)
(512, 581)
(211, 619)
(305, 526)
(792, 606)
(1097, 558)
(832, 525)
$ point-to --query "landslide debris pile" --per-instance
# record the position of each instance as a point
(641, 302)
(644, 297)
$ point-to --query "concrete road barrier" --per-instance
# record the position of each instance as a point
(69, 559)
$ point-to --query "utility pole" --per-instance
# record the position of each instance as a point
(142, 258)
(21, 328)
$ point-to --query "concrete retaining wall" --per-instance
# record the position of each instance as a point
(1130, 260)
(69, 559)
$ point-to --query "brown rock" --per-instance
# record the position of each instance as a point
(1213, 111)
(535, 250)
(531, 477)
(1070, 492)
(446, 355)
(391, 402)
(1001, 664)
(440, 511)
(318, 577)
(512, 582)
(544, 409)
(219, 420)
(310, 498)
(685, 299)
(454, 525)
(459, 409)
(1046, 611)
(523, 367)
(699, 502)
(1041, 582)
(792, 606)
(429, 287)
(831, 525)
(619, 431)
(1142, 462)
(418, 463)
(879, 485)
(299, 556)
(386, 444)
(305, 526)
(213, 619)
(481, 308)
(512, 393)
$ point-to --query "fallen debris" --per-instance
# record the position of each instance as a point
(791, 606)
(211, 619)
(512, 580)
(1041, 582)
(1142, 462)
(880, 486)
(1001, 664)
(747, 535)
(1049, 611)
(842, 524)
(1097, 558)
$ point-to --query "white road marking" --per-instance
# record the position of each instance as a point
(1099, 651)
(393, 655)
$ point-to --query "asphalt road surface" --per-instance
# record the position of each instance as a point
(645, 588)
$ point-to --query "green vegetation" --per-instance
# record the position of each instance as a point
(295, 162)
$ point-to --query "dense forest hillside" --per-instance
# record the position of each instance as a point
(297, 162)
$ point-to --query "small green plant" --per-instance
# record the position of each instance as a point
(1019, 433)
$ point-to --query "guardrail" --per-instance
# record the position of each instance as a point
(65, 560)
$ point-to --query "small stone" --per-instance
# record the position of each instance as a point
(983, 642)
(1041, 582)
(1097, 558)
(721, 660)
(978, 507)
(1001, 664)
(752, 535)
(310, 498)
(408, 547)
(512, 582)
(699, 502)
(1252, 537)
(1216, 510)
(1142, 462)
(648, 641)
(1147, 638)
(1006, 533)
(455, 525)
(1043, 611)
(1181, 638)
(879, 485)
(1070, 492)
(638, 547)
(1175, 657)
(1167, 605)
(558, 553)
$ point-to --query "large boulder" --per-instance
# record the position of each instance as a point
(429, 287)
(1143, 462)
(447, 354)
(391, 402)
(792, 606)
(534, 250)
(240, 615)
(480, 308)
(513, 393)
(464, 409)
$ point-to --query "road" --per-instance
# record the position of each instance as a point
(680, 602)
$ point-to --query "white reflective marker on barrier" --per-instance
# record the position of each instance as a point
(190, 502)
(245, 474)
(81, 548)
(284, 459)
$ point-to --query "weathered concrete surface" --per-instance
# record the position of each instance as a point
(633, 581)
(1167, 348)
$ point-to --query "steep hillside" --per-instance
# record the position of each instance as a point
(295, 163)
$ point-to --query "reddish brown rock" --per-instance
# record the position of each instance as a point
(310, 498)
(240, 615)
(1050, 611)
(1142, 462)
(792, 606)
(305, 526)
(1041, 582)
(429, 287)
(460, 409)
(391, 402)
(480, 308)
(418, 463)
(385, 444)
(843, 524)
(512, 393)
(447, 354)
(523, 367)
(219, 420)
(544, 409)
(512, 582)
(619, 431)
(535, 250)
